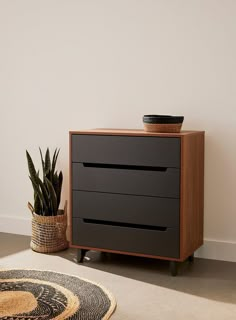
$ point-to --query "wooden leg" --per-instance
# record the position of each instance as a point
(80, 255)
(104, 254)
(191, 258)
(173, 268)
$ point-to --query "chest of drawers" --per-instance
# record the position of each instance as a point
(137, 193)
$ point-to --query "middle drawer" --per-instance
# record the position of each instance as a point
(163, 183)
(142, 210)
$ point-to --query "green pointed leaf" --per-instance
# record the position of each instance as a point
(60, 177)
(57, 188)
(43, 164)
(31, 167)
(34, 180)
(55, 181)
(47, 162)
(54, 161)
(37, 205)
(52, 195)
(38, 192)
(44, 191)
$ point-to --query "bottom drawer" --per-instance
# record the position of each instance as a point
(126, 237)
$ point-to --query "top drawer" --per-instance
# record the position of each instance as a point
(143, 151)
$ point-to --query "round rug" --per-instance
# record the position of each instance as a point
(47, 295)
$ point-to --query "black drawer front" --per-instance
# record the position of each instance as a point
(153, 242)
(151, 211)
(145, 151)
(138, 182)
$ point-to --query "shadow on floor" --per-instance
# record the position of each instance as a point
(10, 244)
(212, 279)
(215, 280)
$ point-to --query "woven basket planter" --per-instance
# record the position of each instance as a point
(162, 123)
(162, 127)
(49, 232)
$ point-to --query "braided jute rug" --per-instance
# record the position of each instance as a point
(47, 295)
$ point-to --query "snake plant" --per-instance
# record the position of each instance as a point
(47, 191)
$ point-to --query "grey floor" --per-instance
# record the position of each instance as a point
(143, 288)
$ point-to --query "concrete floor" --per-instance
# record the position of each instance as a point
(143, 287)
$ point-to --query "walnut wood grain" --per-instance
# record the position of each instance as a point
(70, 190)
(125, 252)
(191, 193)
(133, 132)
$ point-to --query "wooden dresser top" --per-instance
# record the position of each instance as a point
(134, 132)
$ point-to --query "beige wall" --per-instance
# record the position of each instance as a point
(83, 64)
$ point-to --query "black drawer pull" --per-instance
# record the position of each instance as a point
(123, 166)
(123, 224)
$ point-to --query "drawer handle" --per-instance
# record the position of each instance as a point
(123, 166)
(124, 224)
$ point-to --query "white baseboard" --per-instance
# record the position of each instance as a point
(15, 225)
(212, 249)
(217, 250)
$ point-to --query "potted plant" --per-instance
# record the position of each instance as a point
(49, 223)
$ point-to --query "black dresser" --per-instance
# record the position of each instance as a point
(137, 193)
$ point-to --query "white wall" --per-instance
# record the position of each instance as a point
(70, 65)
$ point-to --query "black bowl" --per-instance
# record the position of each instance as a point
(153, 118)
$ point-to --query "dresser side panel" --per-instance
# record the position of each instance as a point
(191, 194)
